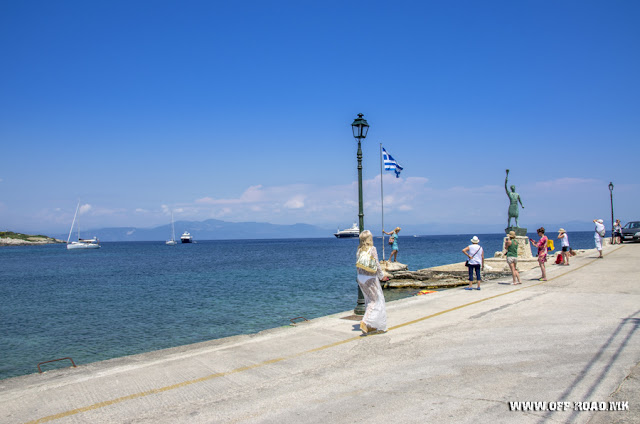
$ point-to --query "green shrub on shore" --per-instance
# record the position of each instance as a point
(20, 236)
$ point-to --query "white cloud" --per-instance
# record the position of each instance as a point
(297, 202)
(84, 209)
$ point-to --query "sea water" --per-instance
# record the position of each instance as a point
(132, 297)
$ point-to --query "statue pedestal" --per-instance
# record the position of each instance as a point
(524, 247)
(518, 230)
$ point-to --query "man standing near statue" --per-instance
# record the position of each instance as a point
(514, 198)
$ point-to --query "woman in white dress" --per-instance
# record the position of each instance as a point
(375, 315)
(599, 235)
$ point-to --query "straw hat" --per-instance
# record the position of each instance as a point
(512, 234)
(475, 240)
(598, 220)
(561, 231)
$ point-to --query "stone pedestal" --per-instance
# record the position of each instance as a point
(518, 230)
(524, 248)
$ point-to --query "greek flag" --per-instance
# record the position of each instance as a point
(390, 164)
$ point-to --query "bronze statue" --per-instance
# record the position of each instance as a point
(514, 198)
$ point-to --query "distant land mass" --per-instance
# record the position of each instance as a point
(214, 229)
(211, 229)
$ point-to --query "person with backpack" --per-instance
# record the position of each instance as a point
(599, 236)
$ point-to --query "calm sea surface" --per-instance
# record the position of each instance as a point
(134, 297)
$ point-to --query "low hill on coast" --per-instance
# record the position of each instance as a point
(9, 238)
(211, 229)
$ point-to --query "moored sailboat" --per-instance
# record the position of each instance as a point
(173, 241)
(93, 243)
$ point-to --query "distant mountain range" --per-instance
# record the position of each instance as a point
(214, 229)
(211, 229)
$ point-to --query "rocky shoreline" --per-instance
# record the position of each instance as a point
(454, 275)
(29, 241)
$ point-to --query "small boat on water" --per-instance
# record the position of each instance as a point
(93, 243)
(354, 231)
(173, 241)
(186, 238)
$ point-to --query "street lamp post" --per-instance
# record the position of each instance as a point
(611, 196)
(360, 128)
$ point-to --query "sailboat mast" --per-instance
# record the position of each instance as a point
(74, 221)
(173, 229)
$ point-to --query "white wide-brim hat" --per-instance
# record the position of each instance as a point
(475, 240)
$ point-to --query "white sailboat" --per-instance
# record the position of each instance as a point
(173, 241)
(93, 243)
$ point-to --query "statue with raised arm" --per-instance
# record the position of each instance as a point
(514, 198)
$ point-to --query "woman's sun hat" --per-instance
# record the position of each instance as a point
(475, 240)
(561, 231)
(512, 234)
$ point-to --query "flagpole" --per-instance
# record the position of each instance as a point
(382, 200)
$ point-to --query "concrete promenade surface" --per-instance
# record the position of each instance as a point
(454, 356)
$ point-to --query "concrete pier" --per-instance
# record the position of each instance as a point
(540, 352)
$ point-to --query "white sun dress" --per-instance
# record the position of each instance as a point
(375, 315)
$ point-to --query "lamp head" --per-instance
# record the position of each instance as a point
(360, 127)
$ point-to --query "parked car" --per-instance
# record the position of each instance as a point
(631, 231)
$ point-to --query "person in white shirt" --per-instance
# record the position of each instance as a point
(599, 235)
(617, 235)
(564, 240)
(475, 253)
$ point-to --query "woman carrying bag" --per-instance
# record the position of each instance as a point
(393, 241)
(369, 275)
(475, 253)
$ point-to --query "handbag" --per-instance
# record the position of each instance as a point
(391, 240)
(367, 262)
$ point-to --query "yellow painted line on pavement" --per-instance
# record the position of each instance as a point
(276, 360)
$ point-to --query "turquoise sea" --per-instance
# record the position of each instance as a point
(133, 297)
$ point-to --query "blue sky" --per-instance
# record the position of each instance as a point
(241, 111)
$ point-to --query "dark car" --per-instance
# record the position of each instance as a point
(631, 231)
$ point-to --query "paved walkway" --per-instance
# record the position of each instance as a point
(455, 356)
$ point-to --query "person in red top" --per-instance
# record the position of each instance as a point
(542, 252)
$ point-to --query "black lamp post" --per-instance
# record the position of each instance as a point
(611, 196)
(360, 128)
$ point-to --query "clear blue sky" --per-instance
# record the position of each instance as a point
(241, 111)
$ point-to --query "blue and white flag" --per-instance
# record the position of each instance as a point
(390, 164)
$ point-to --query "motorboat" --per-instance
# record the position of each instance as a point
(186, 238)
(354, 231)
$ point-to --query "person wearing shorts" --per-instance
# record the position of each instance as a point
(512, 256)
(564, 240)
(542, 252)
